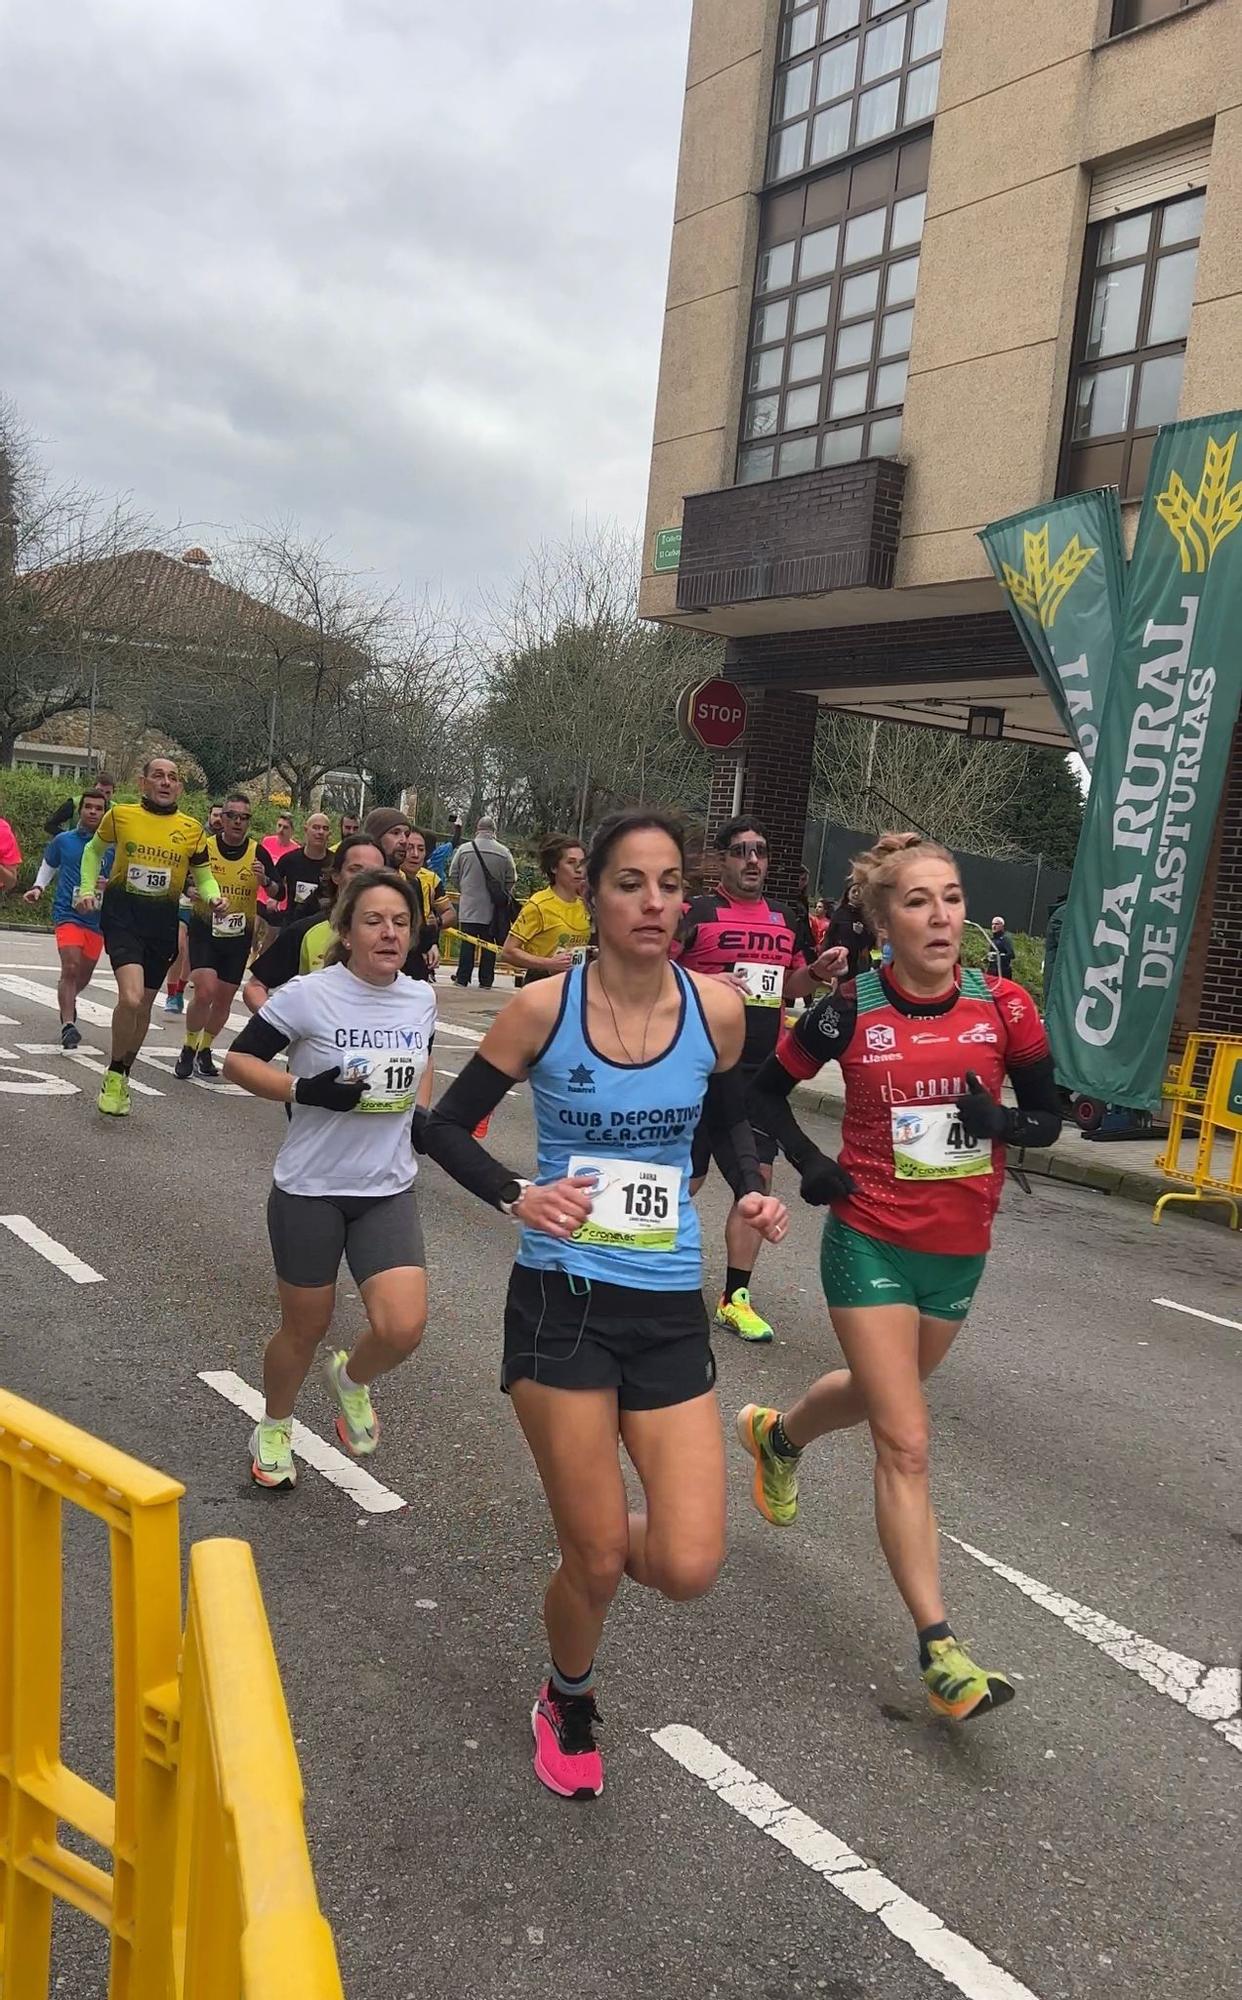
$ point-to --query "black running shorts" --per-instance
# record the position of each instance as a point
(310, 1233)
(226, 957)
(140, 930)
(653, 1348)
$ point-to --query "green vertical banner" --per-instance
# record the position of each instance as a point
(1159, 770)
(1066, 605)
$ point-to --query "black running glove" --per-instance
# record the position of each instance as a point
(326, 1093)
(982, 1117)
(823, 1180)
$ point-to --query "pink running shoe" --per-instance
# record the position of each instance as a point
(566, 1759)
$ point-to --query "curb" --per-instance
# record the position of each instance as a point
(1137, 1184)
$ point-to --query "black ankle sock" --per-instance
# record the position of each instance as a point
(121, 1068)
(735, 1281)
(569, 1685)
(778, 1438)
(929, 1632)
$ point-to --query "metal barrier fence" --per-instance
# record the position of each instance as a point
(210, 1891)
(1210, 1115)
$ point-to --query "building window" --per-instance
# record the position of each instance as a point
(1130, 343)
(850, 74)
(833, 317)
(1129, 14)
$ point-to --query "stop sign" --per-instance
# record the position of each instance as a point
(714, 714)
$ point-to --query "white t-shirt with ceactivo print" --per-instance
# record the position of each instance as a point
(334, 1020)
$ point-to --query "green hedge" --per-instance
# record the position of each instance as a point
(1028, 963)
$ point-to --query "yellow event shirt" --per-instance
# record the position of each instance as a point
(547, 924)
(427, 882)
(314, 948)
(154, 851)
(238, 884)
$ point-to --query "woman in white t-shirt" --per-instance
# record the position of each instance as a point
(359, 1036)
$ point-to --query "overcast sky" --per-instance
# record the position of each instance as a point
(394, 268)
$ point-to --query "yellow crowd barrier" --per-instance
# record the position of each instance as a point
(210, 1895)
(465, 937)
(1210, 1116)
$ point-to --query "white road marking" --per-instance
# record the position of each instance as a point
(961, 1964)
(1213, 1693)
(7, 1021)
(86, 1059)
(47, 1246)
(1195, 1313)
(344, 1472)
(45, 996)
(463, 1034)
(18, 1082)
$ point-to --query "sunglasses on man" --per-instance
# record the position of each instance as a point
(741, 850)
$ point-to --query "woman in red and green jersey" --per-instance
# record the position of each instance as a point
(925, 1047)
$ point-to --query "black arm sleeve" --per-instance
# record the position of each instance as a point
(60, 818)
(279, 963)
(1037, 1119)
(259, 1038)
(725, 1110)
(767, 1102)
(448, 1136)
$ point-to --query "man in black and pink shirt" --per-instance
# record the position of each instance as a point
(763, 947)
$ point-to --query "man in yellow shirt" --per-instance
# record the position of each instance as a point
(553, 929)
(220, 938)
(157, 847)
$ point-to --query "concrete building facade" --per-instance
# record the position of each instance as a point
(933, 261)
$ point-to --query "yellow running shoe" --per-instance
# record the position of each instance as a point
(740, 1317)
(357, 1426)
(956, 1687)
(113, 1098)
(775, 1487)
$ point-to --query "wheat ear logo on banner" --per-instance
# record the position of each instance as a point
(1041, 587)
(1200, 524)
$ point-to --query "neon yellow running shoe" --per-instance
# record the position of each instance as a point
(271, 1454)
(775, 1487)
(357, 1426)
(740, 1317)
(956, 1687)
(113, 1098)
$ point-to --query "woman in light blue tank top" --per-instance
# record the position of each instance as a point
(606, 1335)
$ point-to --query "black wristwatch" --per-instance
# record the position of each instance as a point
(510, 1195)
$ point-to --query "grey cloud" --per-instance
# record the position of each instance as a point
(394, 270)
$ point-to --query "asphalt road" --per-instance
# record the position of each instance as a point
(1087, 1439)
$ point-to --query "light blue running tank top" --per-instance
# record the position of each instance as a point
(634, 1123)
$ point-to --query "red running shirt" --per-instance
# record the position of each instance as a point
(919, 1182)
(757, 938)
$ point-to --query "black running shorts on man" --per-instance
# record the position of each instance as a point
(225, 956)
(139, 930)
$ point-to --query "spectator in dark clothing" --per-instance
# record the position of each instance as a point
(68, 810)
(1000, 951)
(1052, 944)
(848, 926)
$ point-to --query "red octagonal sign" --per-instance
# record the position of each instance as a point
(714, 714)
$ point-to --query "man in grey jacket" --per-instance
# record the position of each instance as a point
(483, 870)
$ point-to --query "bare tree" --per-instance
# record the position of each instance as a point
(265, 665)
(580, 694)
(66, 609)
(870, 774)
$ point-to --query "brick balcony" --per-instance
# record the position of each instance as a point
(835, 529)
